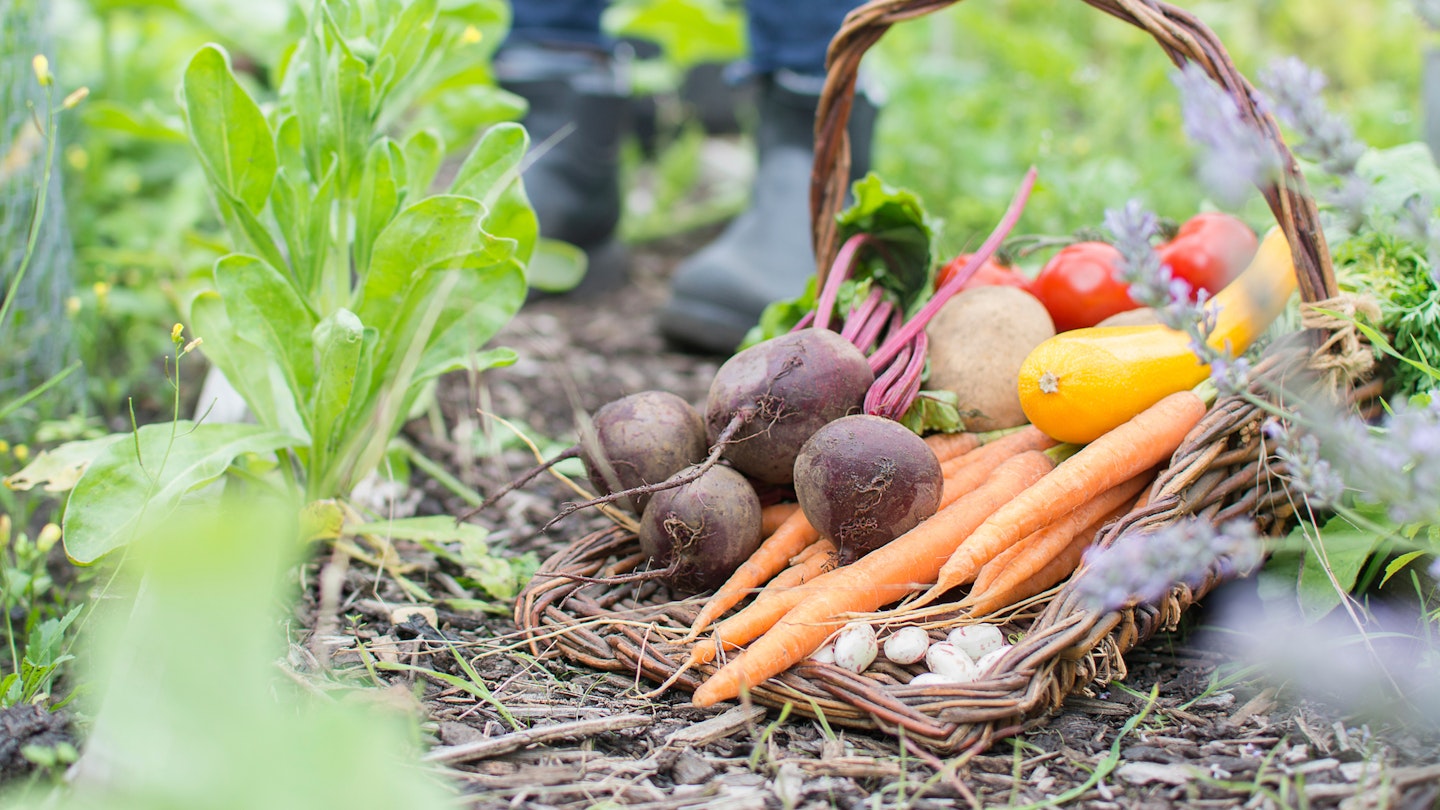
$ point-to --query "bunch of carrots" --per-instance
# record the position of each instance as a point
(1016, 514)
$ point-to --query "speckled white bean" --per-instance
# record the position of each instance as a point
(907, 645)
(930, 679)
(856, 647)
(946, 659)
(824, 655)
(976, 639)
(988, 660)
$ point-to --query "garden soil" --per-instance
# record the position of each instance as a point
(1199, 721)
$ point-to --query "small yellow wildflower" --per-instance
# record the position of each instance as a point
(21, 452)
(177, 333)
(471, 35)
(42, 70)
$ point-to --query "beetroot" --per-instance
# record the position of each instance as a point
(864, 480)
(641, 439)
(772, 396)
(701, 531)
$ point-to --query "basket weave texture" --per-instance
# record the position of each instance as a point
(1221, 472)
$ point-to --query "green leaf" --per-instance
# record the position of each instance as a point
(406, 42)
(1345, 551)
(124, 494)
(248, 367)
(491, 174)
(424, 152)
(353, 103)
(228, 129)
(898, 220)
(382, 190)
(555, 266)
(436, 233)
(264, 306)
(1398, 564)
(339, 339)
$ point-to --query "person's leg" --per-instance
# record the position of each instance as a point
(764, 254)
(557, 21)
(559, 61)
(793, 35)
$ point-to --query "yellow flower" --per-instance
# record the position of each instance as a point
(21, 452)
(177, 333)
(42, 69)
(4, 446)
(72, 305)
(471, 35)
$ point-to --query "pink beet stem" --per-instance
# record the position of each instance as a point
(902, 337)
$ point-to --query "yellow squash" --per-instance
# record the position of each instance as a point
(1081, 383)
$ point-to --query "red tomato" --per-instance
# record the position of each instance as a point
(1079, 288)
(1209, 250)
(990, 274)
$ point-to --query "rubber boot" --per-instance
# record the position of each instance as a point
(764, 254)
(577, 119)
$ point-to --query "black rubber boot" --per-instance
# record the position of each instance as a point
(764, 254)
(577, 119)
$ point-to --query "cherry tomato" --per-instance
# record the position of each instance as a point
(1079, 288)
(990, 274)
(1209, 250)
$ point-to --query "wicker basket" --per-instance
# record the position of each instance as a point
(1221, 472)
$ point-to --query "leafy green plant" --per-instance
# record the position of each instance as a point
(186, 644)
(349, 286)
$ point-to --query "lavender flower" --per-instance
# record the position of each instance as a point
(1396, 464)
(1312, 475)
(1142, 566)
(1295, 96)
(1152, 284)
(1234, 155)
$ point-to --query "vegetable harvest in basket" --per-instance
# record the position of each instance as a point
(833, 418)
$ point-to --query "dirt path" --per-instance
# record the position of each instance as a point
(1189, 727)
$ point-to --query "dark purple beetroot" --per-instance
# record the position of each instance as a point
(789, 386)
(863, 480)
(641, 439)
(702, 530)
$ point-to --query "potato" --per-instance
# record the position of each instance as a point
(977, 342)
(1143, 316)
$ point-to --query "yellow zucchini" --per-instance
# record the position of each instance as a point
(1081, 383)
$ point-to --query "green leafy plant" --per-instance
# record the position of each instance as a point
(349, 286)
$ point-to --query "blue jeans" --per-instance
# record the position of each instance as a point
(784, 34)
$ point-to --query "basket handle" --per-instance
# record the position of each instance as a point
(1184, 39)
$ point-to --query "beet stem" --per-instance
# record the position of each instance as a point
(840, 270)
(525, 478)
(903, 336)
(874, 325)
(856, 320)
(875, 397)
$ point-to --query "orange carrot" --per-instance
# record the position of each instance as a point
(1149, 438)
(952, 445)
(1026, 438)
(772, 557)
(783, 593)
(775, 514)
(980, 462)
(898, 568)
(1062, 564)
(1012, 574)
